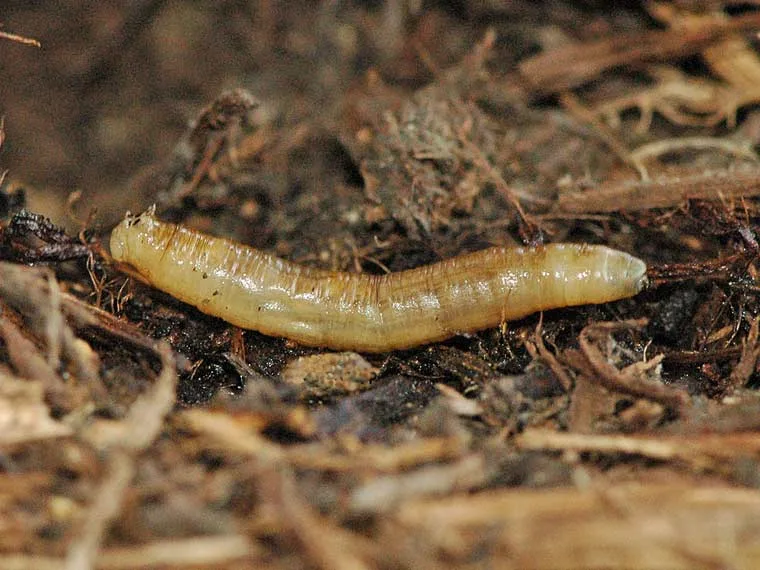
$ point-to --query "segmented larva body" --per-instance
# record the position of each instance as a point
(370, 313)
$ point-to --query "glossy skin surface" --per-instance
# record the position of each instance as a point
(370, 313)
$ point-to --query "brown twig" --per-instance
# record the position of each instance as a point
(721, 269)
(20, 39)
(210, 551)
(538, 349)
(574, 106)
(141, 426)
(34, 293)
(701, 451)
(744, 369)
(638, 195)
(573, 65)
(631, 379)
(324, 545)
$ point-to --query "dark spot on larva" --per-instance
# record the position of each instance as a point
(215, 293)
(204, 276)
(258, 309)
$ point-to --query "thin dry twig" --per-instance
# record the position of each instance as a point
(574, 106)
(201, 550)
(701, 451)
(104, 508)
(573, 65)
(638, 195)
(34, 293)
(325, 545)
(142, 425)
(20, 39)
(631, 379)
(538, 349)
(24, 416)
(741, 373)
(26, 358)
(720, 269)
(385, 493)
(234, 437)
(192, 552)
(665, 146)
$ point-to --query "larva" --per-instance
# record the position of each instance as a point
(370, 313)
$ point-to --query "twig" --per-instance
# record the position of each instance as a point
(387, 492)
(193, 552)
(664, 146)
(573, 65)
(605, 134)
(26, 359)
(702, 451)
(24, 414)
(34, 293)
(539, 350)
(234, 437)
(142, 425)
(638, 195)
(20, 39)
(653, 447)
(326, 546)
(750, 352)
(629, 380)
(105, 507)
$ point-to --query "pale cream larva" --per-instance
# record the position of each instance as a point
(370, 313)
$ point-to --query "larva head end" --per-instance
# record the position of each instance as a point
(642, 283)
(624, 275)
(637, 274)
